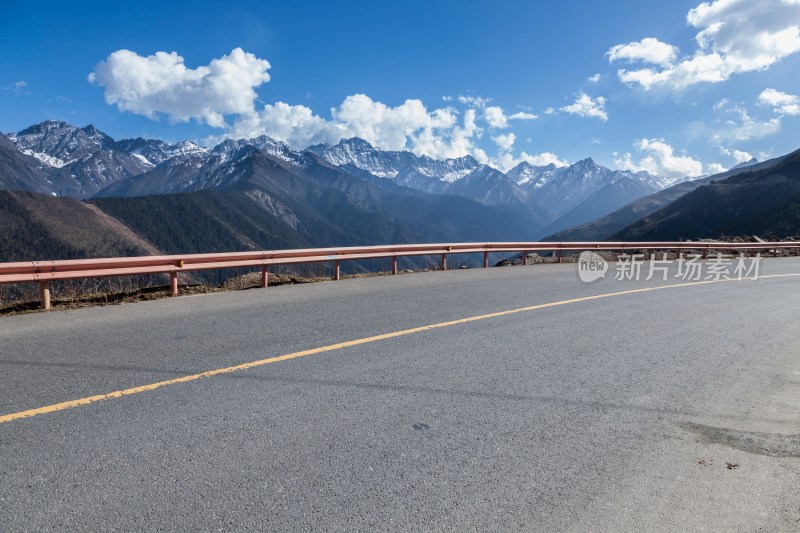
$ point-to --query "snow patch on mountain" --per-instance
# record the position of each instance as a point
(48, 160)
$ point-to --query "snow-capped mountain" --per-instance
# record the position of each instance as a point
(566, 187)
(83, 162)
(79, 161)
(389, 164)
(153, 152)
(463, 176)
(58, 144)
(228, 148)
(531, 176)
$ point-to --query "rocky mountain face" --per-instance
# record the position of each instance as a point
(19, 171)
(152, 152)
(78, 161)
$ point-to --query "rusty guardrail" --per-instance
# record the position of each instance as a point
(43, 272)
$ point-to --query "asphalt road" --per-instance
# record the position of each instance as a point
(671, 409)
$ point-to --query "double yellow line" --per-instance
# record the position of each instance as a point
(338, 346)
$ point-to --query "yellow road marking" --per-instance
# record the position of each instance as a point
(331, 347)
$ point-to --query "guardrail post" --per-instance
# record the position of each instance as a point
(444, 261)
(336, 271)
(705, 252)
(525, 258)
(173, 283)
(485, 259)
(44, 294)
(558, 254)
(394, 265)
(264, 277)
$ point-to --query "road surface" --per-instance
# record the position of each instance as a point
(666, 409)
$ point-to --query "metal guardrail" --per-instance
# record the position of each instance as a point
(43, 272)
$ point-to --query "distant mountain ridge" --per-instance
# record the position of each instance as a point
(59, 159)
(548, 189)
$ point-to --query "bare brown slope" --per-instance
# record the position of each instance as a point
(37, 227)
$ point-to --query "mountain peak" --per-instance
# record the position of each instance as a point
(744, 164)
(357, 143)
(46, 126)
(588, 162)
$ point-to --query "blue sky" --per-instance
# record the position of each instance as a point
(672, 87)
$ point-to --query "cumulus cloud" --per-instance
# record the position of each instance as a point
(162, 84)
(505, 161)
(787, 104)
(660, 160)
(648, 50)
(495, 117)
(715, 168)
(740, 156)
(594, 78)
(223, 95)
(586, 106)
(439, 133)
(734, 36)
(505, 142)
(543, 159)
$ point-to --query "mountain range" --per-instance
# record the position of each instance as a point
(63, 160)
(262, 193)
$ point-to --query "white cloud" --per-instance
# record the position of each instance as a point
(408, 126)
(222, 94)
(520, 115)
(505, 161)
(495, 117)
(586, 106)
(660, 160)
(734, 36)
(549, 111)
(739, 156)
(722, 104)
(17, 86)
(543, 159)
(162, 84)
(505, 142)
(648, 50)
(594, 78)
(788, 104)
(715, 168)
(473, 101)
